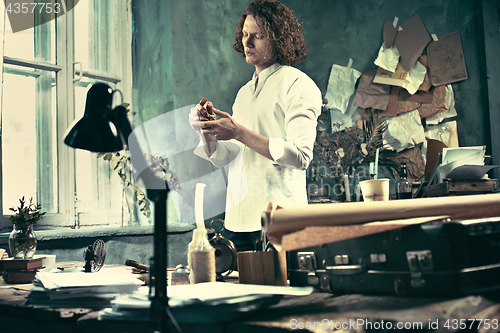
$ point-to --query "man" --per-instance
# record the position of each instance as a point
(268, 141)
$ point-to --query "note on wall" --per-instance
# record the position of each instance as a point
(446, 59)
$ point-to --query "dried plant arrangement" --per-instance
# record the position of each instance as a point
(342, 151)
(121, 163)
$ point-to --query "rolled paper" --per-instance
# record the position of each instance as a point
(278, 221)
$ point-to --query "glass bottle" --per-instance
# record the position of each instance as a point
(404, 186)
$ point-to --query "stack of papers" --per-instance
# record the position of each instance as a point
(79, 289)
(463, 163)
(202, 302)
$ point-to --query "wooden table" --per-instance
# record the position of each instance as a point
(318, 312)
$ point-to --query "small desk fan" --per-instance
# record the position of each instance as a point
(94, 256)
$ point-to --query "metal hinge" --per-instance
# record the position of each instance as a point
(419, 261)
(307, 262)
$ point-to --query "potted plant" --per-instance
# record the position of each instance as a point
(22, 239)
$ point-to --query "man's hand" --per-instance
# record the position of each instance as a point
(225, 128)
(210, 143)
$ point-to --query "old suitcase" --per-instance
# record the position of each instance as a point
(443, 258)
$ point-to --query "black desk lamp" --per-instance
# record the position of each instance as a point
(103, 129)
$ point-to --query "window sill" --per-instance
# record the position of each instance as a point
(47, 235)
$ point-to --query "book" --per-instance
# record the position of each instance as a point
(20, 264)
(396, 78)
(19, 276)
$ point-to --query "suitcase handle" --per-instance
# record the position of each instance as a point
(345, 269)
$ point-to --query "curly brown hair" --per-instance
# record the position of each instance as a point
(279, 26)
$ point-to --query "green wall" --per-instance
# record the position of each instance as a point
(182, 49)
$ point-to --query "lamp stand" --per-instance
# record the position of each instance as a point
(158, 279)
(156, 191)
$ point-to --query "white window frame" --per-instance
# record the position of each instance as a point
(67, 74)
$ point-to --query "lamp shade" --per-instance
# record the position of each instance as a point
(95, 131)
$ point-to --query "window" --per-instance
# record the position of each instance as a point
(46, 73)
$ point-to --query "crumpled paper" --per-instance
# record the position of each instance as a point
(427, 84)
(404, 131)
(387, 58)
(415, 78)
(341, 86)
(438, 103)
(348, 118)
(445, 132)
(371, 95)
(449, 105)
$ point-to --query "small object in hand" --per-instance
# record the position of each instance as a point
(205, 110)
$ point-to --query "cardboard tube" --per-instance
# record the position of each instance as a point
(277, 221)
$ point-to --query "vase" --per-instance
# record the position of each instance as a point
(22, 242)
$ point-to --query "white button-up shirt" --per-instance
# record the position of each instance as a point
(283, 104)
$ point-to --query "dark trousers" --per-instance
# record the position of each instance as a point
(244, 241)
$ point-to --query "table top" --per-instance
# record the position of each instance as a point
(317, 312)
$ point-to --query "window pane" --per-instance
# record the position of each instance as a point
(35, 43)
(95, 41)
(97, 186)
(28, 160)
(18, 140)
(85, 181)
(82, 35)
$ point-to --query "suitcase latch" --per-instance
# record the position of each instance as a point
(307, 262)
(419, 261)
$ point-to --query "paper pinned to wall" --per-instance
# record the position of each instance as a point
(449, 103)
(445, 132)
(420, 96)
(341, 86)
(392, 106)
(346, 119)
(404, 131)
(446, 59)
(387, 58)
(438, 104)
(390, 32)
(412, 40)
(415, 78)
(370, 94)
(410, 80)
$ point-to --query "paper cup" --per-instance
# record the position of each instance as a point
(375, 189)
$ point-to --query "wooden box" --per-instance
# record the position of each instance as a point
(461, 187)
